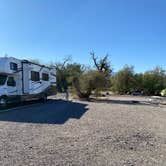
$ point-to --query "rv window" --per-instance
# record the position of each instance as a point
(3, 79)
(35, 76)
(11, 82)
(45, 77)
(13, 66)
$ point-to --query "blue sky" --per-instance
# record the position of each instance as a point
(132, 31)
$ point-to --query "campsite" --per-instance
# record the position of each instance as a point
(120, 130)
(82, 83)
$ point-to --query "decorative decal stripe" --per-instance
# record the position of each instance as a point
(36, 87)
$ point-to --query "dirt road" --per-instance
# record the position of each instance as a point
(119, 131)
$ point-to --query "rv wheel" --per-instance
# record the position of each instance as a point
(3, 102)
(44, 98)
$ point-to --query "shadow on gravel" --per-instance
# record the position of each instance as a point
(52, 112)
(20, 104)
(127, 102)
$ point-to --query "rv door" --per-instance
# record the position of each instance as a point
(11, 86)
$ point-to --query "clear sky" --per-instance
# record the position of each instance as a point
(131, 31)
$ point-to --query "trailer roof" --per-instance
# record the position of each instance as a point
(26, 61)
(29, 62)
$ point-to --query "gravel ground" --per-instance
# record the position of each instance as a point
(121, 130)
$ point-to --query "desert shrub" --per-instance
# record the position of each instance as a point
(65, 73)
(90, 81)
(96, 80)
(154, 81)
(123, 81)
(150, 82)
(138, 82)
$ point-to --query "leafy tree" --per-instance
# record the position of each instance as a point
(73, 70)
(62, 74)
(151, 82)
(154, 81)
(93, 80)
(88, 82)
(138, 82)
(123, 81)
(65, 73)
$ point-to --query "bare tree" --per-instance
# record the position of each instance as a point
(61, 74)
(103, 64)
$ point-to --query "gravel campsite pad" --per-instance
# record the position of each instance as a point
(118, 131)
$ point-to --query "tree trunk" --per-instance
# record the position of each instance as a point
(81, 95)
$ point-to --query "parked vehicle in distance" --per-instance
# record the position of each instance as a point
(137, 93)
(22, 80)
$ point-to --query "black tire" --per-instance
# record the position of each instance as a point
(44, 98)
(3, 102)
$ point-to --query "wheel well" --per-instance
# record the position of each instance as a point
(4, 97)
(44, 94)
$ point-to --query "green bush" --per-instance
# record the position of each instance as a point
(150, 82)
(65, 74)
(163, 92)
(90, 81)
(123, 81)
(154, 81)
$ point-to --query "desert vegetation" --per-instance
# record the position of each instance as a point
(149, 83)
(83, 80)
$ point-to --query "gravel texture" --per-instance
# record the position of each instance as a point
(116, 131)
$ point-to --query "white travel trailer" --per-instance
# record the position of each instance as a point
(22, 80)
